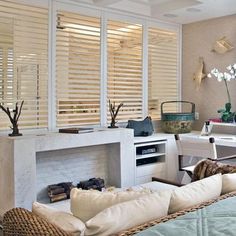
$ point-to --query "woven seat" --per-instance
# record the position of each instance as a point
(19, 221)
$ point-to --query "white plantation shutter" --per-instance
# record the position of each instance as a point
(162, 71)
(24, 63)
(77, 69)
(6, 57)
(6, 73)
(125, 68)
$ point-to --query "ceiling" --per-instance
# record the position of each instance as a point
(178, 11)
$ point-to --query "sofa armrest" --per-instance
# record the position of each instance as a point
(19, 221)
(166, 181)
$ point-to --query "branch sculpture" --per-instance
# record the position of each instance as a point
(14, 117)
(114, 112)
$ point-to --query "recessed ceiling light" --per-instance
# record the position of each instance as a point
(192, 9)
(170, 15)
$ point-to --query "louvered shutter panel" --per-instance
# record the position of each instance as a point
(6, 57)
(24, 72)
(125, 68)
(162, 70)
(6, 72)
(77, 69)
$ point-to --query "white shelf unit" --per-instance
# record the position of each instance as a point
(150, 160)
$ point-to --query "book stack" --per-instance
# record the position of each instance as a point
(75, 130)
(60, 191)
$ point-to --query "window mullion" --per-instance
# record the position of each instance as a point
(103, 88)
(145, 70)
(52, 68)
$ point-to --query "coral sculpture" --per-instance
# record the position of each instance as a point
(14, 117)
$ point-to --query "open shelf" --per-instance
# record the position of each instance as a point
(150, 160)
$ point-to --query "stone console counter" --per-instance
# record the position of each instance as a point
(18, 161)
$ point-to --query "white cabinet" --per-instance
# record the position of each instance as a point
(150, 160)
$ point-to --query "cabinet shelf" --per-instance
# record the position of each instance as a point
(155, 154)
(151, 164)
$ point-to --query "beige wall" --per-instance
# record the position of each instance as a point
(198, 39)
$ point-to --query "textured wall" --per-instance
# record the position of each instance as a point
(198, 39)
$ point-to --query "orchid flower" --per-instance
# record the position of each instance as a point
(224, 76)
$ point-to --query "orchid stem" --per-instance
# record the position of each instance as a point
(227, 89)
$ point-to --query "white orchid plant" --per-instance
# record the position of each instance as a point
(226, 114)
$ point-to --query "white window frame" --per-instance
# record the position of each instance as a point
(42, 4)
(178, 30)
(104, 14)
(131, 20)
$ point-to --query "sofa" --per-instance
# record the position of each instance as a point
(134, 215)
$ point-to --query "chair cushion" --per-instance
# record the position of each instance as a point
(61, 219)
(188, 168)
(85, 204)
(195, 193)
(129, 214)
(228, 183)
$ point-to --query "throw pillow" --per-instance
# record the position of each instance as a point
(85, 204)
(206, 168)
(228, 183)
(128, 214)
(195, 193)
(61, 219)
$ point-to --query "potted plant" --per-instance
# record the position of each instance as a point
(226, 114)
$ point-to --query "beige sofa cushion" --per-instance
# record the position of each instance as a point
(85, 204)
(128, 214)
(195, 193)
(61, 219)
(228, 183)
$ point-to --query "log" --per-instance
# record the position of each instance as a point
(58, 197)
(55, 191)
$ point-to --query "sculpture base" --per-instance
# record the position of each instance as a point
(111, 127)
(12, 135)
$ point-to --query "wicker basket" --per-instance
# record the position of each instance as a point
(178, 123)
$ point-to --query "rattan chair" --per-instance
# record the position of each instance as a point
(21, 222)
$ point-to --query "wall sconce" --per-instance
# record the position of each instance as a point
(222, 46)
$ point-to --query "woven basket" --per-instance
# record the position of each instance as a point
(177, 123)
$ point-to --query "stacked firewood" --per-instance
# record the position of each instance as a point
(60, 191)
(93, 183)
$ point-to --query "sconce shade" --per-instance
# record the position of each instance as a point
(222, 46)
